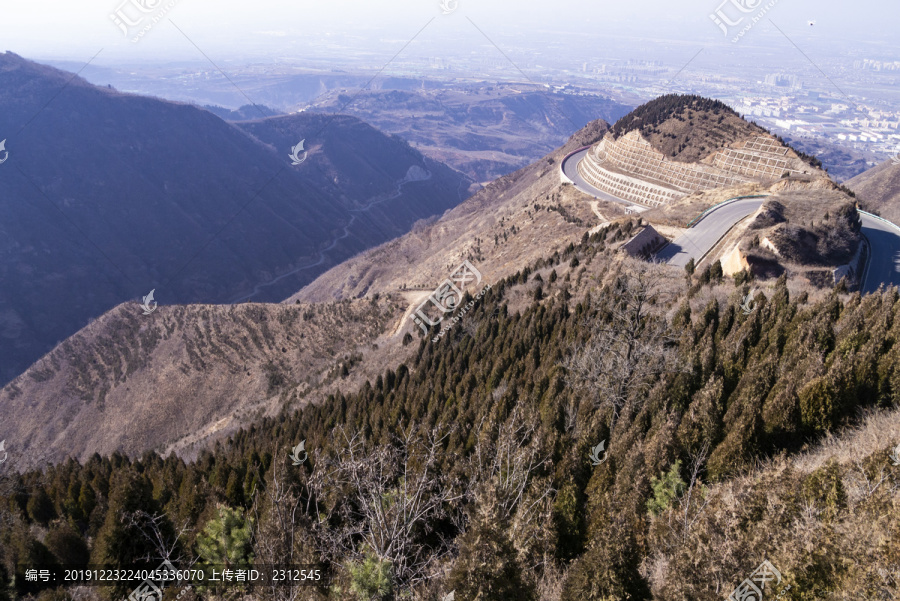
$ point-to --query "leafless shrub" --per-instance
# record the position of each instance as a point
(690, 506)
(550, 585)
(278, 523)
(384, 500)
(507, 481)
(629, 347)
(152, 528)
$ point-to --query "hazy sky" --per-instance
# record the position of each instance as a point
(238, 29)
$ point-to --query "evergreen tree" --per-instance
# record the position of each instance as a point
(486, 568)
(226, 539)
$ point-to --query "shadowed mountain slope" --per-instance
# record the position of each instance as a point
(105, 196)
(214, 368)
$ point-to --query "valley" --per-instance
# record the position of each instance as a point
(197, 209)
(476, 323)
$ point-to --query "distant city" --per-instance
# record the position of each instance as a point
(822, 94)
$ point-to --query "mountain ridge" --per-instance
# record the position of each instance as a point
(113, 358)
(167, 196)
(878, 189)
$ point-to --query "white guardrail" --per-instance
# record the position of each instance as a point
(879, 218)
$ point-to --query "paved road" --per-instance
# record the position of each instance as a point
(699, 239)
(570, 168)
(884, 264)
(884, 237)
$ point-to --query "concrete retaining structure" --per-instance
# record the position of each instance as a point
(644, 243)
(631, 169)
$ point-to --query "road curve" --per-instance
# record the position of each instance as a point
(699, 239)
(569, 167)
(883, 266)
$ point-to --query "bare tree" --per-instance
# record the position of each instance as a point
(691, 503)
(384, 500)
(629, 347)
(279, 519)
(694, 500)
(165, 544)
(506, 470)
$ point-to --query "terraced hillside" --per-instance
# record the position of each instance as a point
(676, 145)
(130, 383)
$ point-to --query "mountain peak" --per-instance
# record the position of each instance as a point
(677, 145)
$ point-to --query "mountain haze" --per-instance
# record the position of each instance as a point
(106, 196)
(483, 130)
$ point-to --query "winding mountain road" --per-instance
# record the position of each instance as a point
(569, 167)
(699, 239)
(882, 267)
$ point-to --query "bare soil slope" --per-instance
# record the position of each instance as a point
(132, 382)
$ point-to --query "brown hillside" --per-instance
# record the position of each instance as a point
(185, 375)
(174, 380)
(804, 229)
(510, 223)
(878, 190)
(688, 128)
(840, 496)
(133, 382)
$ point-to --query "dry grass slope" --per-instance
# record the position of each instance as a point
(507, 225)
(817, 517)
(878, 190)
(132, 382)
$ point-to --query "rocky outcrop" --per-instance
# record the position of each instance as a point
(735, 262)
(852, 270)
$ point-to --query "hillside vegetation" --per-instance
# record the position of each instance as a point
(467, 467)
(688, 128)
(131, 382)
(878, 190)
